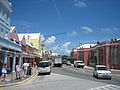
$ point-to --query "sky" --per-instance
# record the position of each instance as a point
(65, 24)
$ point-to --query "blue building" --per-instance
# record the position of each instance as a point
(8, 49)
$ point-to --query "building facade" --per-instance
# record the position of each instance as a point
(31, 51)
(9, 50)
(104, 53)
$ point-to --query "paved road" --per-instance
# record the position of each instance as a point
(67, 78)
(86, 74)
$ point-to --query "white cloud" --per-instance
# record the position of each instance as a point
(79, 3)
(63, 49)
(50, 40)
(56, 48)
(110, 30)
(66, 45)
(73, 33)
(42, 38)
(86, 29)
(67, 51)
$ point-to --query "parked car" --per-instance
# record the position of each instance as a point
(68, 63)
(101, 71)
(79, 64)
(44, 67)
(63, 61)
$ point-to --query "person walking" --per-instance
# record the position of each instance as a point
(18, 71)
(4, 71)
(25, 68)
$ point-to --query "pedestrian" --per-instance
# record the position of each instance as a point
(29, 70)
(4, 71)
(18, 71)
(25, 68)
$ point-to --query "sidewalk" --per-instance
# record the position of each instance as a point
(11, 78)
(88, 67)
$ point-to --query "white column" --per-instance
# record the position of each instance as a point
(20, 61)
(5, 57)
(14, 62)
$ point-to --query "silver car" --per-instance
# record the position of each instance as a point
(101, 71)
(44, 67)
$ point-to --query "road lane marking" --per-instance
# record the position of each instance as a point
(107, 87)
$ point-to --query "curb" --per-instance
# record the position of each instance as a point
(17, 83)
(86, 67)
(115, 70)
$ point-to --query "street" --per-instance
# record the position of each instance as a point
(70, 78)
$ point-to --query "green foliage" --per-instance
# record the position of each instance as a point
(66, 57)
(93, 59)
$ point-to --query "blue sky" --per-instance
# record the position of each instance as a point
(80, 21)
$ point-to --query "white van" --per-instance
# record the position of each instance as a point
(79, 64)
(44, 67)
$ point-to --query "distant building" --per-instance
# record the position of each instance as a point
(81, 53)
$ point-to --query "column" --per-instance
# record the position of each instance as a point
(98, 62)
(20, 61)
(107, 55)
(5, 57)
(14, 62)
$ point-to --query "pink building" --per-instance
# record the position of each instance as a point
(81, 53)
(106, 53)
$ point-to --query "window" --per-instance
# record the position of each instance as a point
(6, 35)
(1, 30)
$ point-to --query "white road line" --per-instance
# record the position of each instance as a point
(107, 87)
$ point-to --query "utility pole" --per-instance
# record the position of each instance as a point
(43, 45)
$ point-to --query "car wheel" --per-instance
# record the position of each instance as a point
(110, 78)
(97, 76)
(49, 73)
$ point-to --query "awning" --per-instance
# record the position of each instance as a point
(9, 44)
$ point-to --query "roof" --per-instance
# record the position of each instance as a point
(86, 45)
(30, 35)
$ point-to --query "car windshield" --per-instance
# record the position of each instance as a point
(102, 68)
(44, 64)
(79, 62)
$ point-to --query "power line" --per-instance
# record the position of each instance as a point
(55, 34)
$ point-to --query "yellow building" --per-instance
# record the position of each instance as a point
(33, 38)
